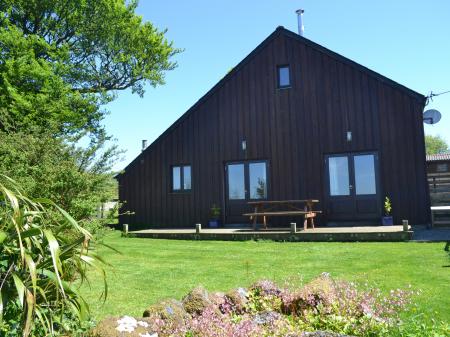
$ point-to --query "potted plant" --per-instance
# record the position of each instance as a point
(387, 219)
(214, 221)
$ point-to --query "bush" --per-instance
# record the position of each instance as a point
(39, 263)
(77, 179)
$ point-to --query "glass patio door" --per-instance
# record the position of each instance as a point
(245, 181)
(352, 187)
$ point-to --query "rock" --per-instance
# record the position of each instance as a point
(266, 317)
(319, 292)
(235, 301)
(196, 301)
(172, 310)
(125, 326)
(217, 298)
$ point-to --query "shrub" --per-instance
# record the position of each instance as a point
(340, 306)
(39, 263)
(77, 179)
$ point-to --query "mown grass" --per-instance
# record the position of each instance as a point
(149, 270)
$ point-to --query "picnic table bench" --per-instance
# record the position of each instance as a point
(266, 208)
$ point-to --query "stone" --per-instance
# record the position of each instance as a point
(172, 310)
(196, 301)
(266, 317)
(124, 326)
(217, 298)
(236, 300)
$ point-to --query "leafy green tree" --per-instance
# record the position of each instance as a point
(435, 144)
(61, 60)
(261, 190)
(77, 179)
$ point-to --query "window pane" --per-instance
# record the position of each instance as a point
(365, 174)
(187, 177)
(283, 77)
(339, 178)
(176, 178)
(236, 182)
(258, 182)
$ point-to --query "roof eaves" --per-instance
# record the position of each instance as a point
(438, 157)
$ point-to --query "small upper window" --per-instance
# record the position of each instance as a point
(181, 178)
(284, 79)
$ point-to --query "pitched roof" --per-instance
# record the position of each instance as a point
(280, 30)
(438, 157)
(352, 63)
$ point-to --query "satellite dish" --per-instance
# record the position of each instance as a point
(431, 116)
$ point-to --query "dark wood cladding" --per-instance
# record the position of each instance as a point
(438, 166)
(292, 128)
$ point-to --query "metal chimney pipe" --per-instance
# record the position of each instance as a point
(144, 144)
(301, 28)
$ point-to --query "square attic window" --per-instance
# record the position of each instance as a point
(284, 80)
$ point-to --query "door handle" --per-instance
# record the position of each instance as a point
(350, 187)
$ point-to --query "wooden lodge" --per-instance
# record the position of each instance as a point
(293, 120)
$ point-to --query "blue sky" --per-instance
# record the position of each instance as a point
(405, 40)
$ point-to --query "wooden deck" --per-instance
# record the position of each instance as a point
(324, 234)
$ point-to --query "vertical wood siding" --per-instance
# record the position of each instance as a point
(291, 128)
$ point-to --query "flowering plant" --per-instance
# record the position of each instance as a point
(265, 309)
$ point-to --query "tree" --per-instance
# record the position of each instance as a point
(61, 60)
(77, 179)
(435, 144)
(261, 191)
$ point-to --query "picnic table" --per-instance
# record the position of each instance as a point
(435, 209)
(266, 208)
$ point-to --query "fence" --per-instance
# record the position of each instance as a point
(439, 184)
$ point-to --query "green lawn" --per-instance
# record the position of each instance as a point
(149, 270)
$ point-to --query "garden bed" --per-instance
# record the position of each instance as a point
(324, 307)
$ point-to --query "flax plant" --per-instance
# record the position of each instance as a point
(44, 254)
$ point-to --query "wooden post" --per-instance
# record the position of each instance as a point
(198, 228)
(125, 229)
(256, 217)
(293, 227)
(405, 225)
